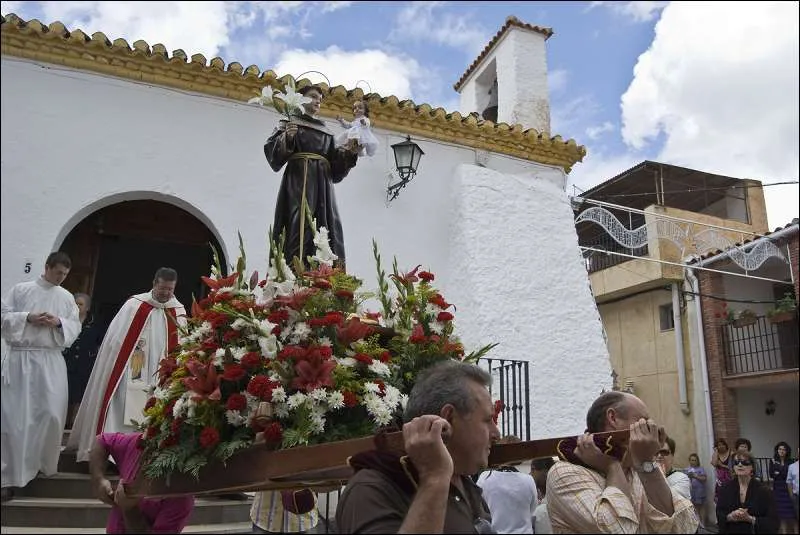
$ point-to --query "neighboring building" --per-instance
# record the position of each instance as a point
(752, 363)
(130, 158)
(641, 297)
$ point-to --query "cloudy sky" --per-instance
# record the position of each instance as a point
(710, 86)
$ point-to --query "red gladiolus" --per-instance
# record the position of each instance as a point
(278, 316)
(233, 372)
(165, 369)
(385, 357)
(498, 408)
(352, 331)
(322, 283)
(209, 437)
(204, 381)
(444, 316)
(150, 403)
(439, 301)
(220, 283)
(407, 278)
(273, 433)
(350, 399)
(298, 298)
(313, 374)
(373, 315)
(236, 402)
(417, 335)
(427, 276)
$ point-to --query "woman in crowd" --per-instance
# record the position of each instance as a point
(80, 356)
(745, 505)
(722, 461)
(778, 470)
(697, 475)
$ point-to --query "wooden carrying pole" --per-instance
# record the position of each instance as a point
(324, 465)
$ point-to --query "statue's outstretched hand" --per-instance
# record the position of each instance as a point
(291, 131)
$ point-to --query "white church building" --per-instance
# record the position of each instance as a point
(129, 158)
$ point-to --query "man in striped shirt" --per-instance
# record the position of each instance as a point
(605, 495)
(269, 516)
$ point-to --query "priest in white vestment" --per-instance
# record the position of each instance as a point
(39, 320)
(142, 333)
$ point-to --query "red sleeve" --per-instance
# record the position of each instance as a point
(173, 516)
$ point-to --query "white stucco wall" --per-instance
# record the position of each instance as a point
(74, 142)
(519, 60)
(764, 431)
(522, 282)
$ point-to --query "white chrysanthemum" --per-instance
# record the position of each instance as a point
(278, 394)
(317, 424)
(377, 409)
(252, 401)
(179, 408)
(301, 331)
(265, 327)
(325, 341)
(238, 353)
(192, 404)
(371, 388)
(389, 322)
(335, 400)
(319, 394)
(391, 397)
(295, 400)
(432, 310)
(436, 327)
(239, 324)
(234, 418)
(161, 393)
(379, 368)
(403, 401)
(347, 362)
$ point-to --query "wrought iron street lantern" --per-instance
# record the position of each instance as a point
(406, 157)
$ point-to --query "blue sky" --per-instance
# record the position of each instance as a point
(710, 86)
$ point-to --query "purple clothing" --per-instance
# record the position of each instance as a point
(783, 502)
(698, 487)
(165, 515)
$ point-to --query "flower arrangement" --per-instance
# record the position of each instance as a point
(289, 103)
(739, 318)
(784, 309)
(293, 360)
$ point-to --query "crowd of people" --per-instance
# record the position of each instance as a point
(58, 359)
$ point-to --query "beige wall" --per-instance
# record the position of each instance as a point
(641, 352)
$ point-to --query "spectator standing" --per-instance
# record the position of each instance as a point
(779, 471)
(722, 461)
(80, 356)
(745, 505)
(697, 475)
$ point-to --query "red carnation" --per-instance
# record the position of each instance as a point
(171, 440)
(251, 361)
(427, 276)
(151, 432)
(273, 433)
(175, 426)
(168, 408)
(439, 301)
(236, 402)
(444, 316)
(209, 437)
(417, 335)
(278, 316)
(362, 357)
(345, 294)
(322, 283)
(350, 399)
(385, 356)
(261, 387)
(498, 408)
(233, 372)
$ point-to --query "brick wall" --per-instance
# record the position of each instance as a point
(793, 258)
(724, 413)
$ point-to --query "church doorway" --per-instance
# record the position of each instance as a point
(116, 250)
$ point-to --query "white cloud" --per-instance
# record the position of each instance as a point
(7, 8)
(719, 84)
(635, 11)
(594, 132)
(598, 167)
(424, 21)
(385, 73)
(329, 7)
(557, 80)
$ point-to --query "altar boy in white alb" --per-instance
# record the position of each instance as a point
(142, 333)
(40, 319)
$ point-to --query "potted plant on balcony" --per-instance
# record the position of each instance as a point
(742, 318)
(785, 309)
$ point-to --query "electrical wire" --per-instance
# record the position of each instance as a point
(731, 300)
(699, 190)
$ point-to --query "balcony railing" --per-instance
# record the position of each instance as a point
(761, 346)
(596, 261)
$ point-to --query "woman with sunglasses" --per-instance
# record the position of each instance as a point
(745, 505)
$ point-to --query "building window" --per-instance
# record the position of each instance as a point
(666, 320)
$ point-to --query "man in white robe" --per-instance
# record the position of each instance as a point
(142, 333)
(39, 320)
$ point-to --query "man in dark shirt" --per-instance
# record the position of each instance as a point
(448, 433)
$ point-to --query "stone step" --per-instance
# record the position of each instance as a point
(68, 463)
(238, 527)
(61, 485)
(91, 513)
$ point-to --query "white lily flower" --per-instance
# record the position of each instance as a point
(294, 101)
(265, 99)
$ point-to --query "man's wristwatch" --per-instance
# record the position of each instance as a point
(647, 467)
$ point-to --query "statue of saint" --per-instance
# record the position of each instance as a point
(313, 165)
